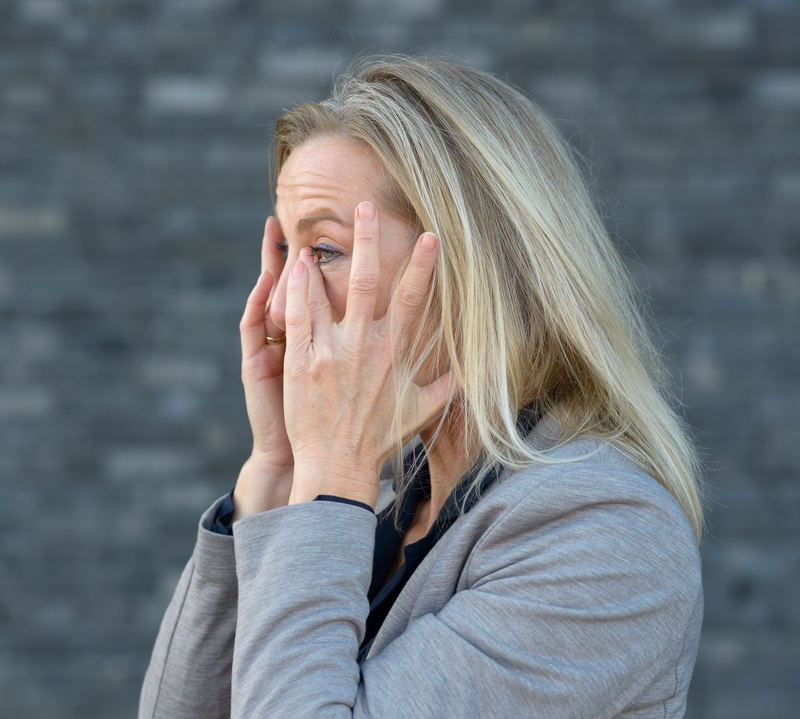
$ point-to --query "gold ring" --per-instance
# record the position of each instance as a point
(275, 340)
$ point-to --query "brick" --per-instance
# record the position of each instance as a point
(729, 30)
(45, 221)
(778, 89)
(25, 403)
(186, 95)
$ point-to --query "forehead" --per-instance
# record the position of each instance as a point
(339, 171)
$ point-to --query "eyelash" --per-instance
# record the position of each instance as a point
(315, 249)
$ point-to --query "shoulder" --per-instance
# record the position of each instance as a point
(589, 473)
(585, 475)
(589, 520)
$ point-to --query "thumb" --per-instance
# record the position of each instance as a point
(435, 397)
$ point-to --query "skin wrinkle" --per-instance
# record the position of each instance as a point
(308, 223)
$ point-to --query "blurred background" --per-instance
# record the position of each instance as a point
(134, 184)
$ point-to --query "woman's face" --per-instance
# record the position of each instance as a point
(319, 188)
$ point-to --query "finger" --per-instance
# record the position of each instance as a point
(298, 321)
(362, 291)
(272, 260)
(435, 397)
(252, 325)
(272, 257)
(415, 283)
(319, 307)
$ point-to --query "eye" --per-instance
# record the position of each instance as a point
(323, 255)
(283, 247)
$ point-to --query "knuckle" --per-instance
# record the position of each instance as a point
(316, 305)
(409, 297)
(324, 358)
(364, 282)
(295, 316)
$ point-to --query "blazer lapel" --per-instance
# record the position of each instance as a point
(434, 582)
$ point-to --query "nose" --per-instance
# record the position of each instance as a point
(277, 308)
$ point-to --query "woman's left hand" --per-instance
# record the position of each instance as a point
(339, 389)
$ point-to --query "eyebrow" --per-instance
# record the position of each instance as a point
(306, 223)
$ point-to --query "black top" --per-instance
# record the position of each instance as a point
(224, 515)
(388, 539)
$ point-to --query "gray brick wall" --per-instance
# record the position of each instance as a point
(133, 189)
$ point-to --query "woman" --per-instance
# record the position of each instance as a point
(437, 270)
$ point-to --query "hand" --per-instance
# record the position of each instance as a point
(339, 382)
(265, 480)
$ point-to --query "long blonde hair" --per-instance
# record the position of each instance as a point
(530, 300)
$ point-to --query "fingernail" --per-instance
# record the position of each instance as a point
(299, 268)
(366, 211)
(306, 256)
(428, 242)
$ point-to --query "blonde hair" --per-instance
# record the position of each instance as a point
(530, 300)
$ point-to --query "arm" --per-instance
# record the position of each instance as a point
(189, 673)
(190, 670)
(300, 633)
(567, 615)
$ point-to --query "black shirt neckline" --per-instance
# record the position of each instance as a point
(389, 537)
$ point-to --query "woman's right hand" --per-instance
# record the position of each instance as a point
(265, 481)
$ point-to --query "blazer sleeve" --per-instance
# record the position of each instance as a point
(189, 676)
(569, 606)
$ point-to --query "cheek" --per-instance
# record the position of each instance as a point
(336, 289)
(393, 260)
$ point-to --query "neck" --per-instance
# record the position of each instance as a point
(446, 457)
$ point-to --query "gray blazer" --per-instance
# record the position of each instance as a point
(570, 590)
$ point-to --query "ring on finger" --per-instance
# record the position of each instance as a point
(275, 340)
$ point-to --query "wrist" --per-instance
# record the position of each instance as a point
(312, 479)
(261, 486)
